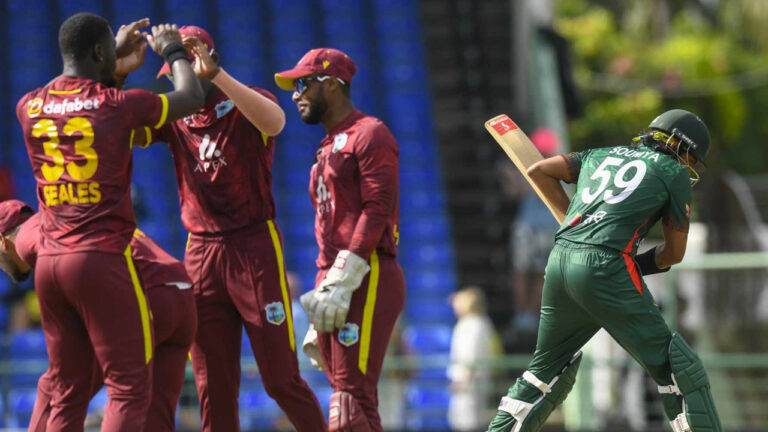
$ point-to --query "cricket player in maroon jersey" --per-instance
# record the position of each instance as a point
(360, 288)
(223, 156)
(168, 291)
(77, 130)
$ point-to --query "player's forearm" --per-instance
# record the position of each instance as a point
(552, 190)
(367, 234)
(666, 257)
(187, 96)
(263, 114)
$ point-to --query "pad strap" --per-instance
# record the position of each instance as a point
(680, 424)
(516, 408)
(539, 384)
(670, 389)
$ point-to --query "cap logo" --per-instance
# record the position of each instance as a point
(326, 63)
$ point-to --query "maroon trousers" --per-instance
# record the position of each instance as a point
(174, 323)
(239, 281)
(354, 354)
(92, 306)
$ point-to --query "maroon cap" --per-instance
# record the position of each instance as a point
(10, 214)
(326, 61)
(190, 31)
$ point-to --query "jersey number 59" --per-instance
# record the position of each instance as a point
(625, 186)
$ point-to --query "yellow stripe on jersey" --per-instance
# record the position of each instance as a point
(65, 91)
(265, 138)
(143, 309)
(189, 239)
(148, 141)
(370, 304)
(164, 113)
(130, 140)
(283, 283)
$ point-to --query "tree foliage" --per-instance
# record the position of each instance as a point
(636, 59)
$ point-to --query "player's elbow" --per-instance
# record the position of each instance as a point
(276, 124)
(535, 170)
(670, 256)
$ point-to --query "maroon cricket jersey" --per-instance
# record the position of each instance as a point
(28, 239)
(154, 264)
(77, 133)
(223, 167)
(354, 187)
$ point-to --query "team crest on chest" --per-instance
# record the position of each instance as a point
(339, 141)
(349, 334)
(223, 108)
(275, 313)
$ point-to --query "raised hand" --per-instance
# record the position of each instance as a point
(204, 65)
(129, 38)
(162, 36)
(132, 61)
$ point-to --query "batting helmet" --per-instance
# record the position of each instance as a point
(688, 128)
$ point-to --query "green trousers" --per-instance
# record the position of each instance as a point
(588, 287)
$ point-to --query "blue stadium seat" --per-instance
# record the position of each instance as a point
(403, 51)
(28, 345)
(245, 346)
(68, 8)
(421, 177)
(303, 256)
(179, 12)
(429, 339)
(98, 402)
(4, 312)
(257, 400)
(431, 281)
(428, 421)
(424, 398)
(427, 255)
(418, 200)
(20, 403)
(298, 231)
(437, 311)
(6, 285)
(323, 393)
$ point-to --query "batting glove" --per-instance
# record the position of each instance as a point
(328, 305)
(311, 348)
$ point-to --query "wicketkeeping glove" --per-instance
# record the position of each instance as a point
(327, 306)
(311, 348)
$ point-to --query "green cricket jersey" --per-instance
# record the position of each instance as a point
(620, 194)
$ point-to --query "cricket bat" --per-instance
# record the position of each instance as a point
(521, 150)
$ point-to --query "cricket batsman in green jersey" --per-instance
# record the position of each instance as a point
(594, 277)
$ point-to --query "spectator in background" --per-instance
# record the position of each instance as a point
(473, 344)
(531, 235)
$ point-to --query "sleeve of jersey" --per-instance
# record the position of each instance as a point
(379, 185)
(573, 160)
(143, 136)
(267, 94)
(147, 108)
(677, 213)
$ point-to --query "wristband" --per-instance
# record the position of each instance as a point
(218, 69)
(646, 262)
(174, 51)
